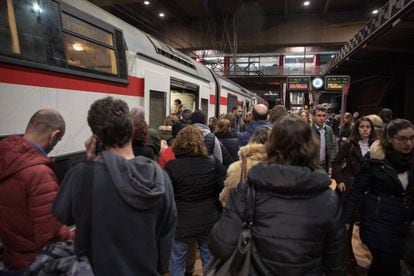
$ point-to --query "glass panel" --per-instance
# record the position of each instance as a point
(77, 26)
(84, 54)
(296, 98)
(8, 30)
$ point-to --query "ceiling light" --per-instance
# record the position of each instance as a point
(161, 14)
(374, 11)
(146, 3)
(306, 3)
(332, 56)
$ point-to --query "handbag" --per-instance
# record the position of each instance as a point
(244, 259)
(70, 258)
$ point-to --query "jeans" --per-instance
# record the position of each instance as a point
(179, 253)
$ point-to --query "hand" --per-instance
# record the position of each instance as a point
(333, 184)
(341, 187)
(90, 146)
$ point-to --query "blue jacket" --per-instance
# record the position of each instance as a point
(245, 136)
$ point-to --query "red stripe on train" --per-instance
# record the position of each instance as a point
(223, 100)
(28, 76)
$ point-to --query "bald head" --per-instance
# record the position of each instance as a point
(45, 128)
(259, 112)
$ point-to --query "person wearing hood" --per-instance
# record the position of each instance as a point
(28, 187)
(296, 226)
(133, 213)
(198, 119)
(385, 184)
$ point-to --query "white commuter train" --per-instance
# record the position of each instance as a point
(65, 54)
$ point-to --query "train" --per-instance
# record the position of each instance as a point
(65, 54)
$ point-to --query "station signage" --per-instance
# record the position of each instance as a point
(336, 83)
(298, 83)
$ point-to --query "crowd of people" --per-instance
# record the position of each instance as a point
(158, 196)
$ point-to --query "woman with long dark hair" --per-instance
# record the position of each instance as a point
(296, 227)
(385, 181)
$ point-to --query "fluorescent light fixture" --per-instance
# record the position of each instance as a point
(146, 3)
(306, 3)
(161, 14)
(374, 11)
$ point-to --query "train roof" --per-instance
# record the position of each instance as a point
(143, 44)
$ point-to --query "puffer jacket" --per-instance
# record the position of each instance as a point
(254, 153)
(197, 182)
(296, 227)
(387, 208)
(28, 187)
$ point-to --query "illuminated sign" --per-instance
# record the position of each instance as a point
(297, 83)
(336, 82)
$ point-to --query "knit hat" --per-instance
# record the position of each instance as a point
(198, 117)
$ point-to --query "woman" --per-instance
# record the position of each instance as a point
(253, 153)
(296, 228)
(305, 115)
(139, 138)
(197, 180)
(347, 162)
(346, 166)
(228, 142)
(386, 177)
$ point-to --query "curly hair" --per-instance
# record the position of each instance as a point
(140, 133)
(109, 120)
(292, 142)
(190, 140)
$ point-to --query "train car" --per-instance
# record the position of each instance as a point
(65, 54)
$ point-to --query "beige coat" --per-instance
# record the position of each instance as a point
(254, 153)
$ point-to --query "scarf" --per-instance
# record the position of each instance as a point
(400, 162)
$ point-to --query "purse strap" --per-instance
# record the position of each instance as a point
(243, 173)
(250, 205)
(83, 227)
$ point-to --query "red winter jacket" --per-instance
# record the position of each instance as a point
(28, 187)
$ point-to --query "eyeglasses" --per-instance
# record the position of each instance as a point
(404, 139)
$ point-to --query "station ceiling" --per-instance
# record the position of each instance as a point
(389, 50)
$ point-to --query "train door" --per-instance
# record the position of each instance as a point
(186, 92)
(231, 102)
(158, 106)
(155, 97)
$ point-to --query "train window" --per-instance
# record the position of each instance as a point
(88, 46)
(31, 31)
(8, 28)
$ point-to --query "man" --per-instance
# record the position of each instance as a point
(238, 125)
(181, 123)
(178, 108)
(28, 187)
(198, 119)
(324, 134)
(133, 209)
(259, 116)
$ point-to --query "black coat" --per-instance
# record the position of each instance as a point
(387, 208)
(296, 226)
(231, 148)
(197, 182)
(350, 155)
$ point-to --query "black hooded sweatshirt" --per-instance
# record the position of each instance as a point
(133, 214)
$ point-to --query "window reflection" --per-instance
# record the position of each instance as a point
(84, 54)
